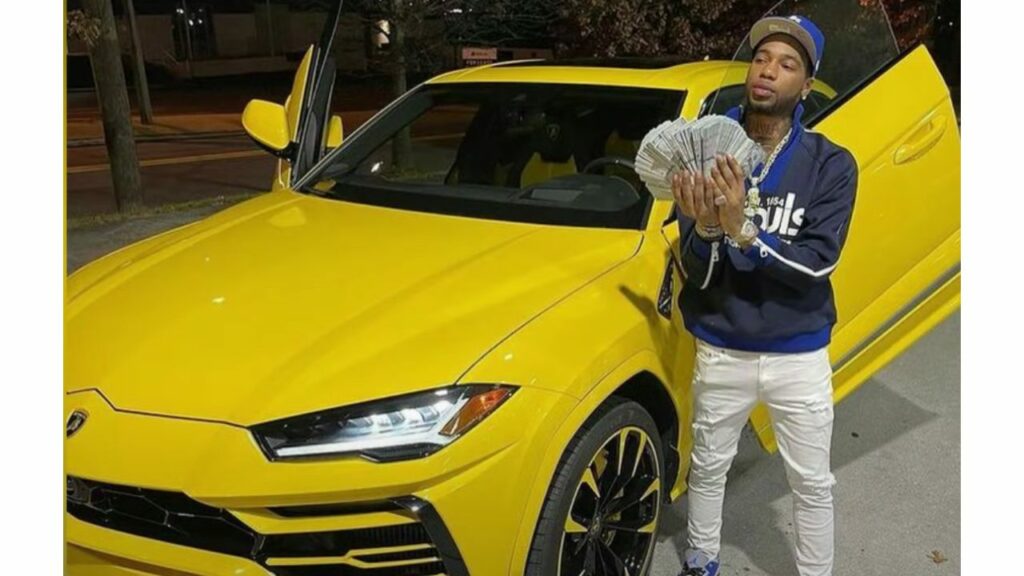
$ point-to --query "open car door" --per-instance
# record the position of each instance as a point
(899, 274)
(301, 130)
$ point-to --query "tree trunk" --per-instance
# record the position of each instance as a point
(116, 111)
(401, 146)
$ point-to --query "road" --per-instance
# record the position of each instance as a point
(172, 171)
(896, 457)
(176, 170)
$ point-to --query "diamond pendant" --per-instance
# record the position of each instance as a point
(753, 202)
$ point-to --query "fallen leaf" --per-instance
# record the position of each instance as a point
(937, 557)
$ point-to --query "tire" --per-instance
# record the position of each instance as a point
(565, 545)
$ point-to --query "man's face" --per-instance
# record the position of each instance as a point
(778, 77)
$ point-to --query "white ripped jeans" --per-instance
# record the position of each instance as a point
(797, 388)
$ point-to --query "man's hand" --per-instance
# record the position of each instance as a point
(727, 181)
(695, 198)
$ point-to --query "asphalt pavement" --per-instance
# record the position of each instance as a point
(896, 458)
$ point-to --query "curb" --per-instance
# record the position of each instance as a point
(83, 142)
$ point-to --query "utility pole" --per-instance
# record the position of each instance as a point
(188, 37)
(270, 30)
(141, 82)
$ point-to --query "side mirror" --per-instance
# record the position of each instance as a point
(335, 132)
(267, 124)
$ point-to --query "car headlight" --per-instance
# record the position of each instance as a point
(398, 428)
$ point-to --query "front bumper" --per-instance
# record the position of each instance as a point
(157, 495)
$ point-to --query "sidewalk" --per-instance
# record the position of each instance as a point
(88, 130)
(215, 105)
(183, 158)
(87, 243)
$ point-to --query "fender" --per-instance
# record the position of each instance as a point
(643, 361)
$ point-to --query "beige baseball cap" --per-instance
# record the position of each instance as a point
(803, 30)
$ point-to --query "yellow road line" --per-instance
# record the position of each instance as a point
(168, 161)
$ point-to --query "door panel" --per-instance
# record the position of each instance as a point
(293, 107)
(899, 270)
(307, 108)
(294, 104)
(902, 131)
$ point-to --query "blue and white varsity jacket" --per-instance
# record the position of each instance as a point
(775, 296)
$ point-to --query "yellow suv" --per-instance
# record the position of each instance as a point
(448, 343)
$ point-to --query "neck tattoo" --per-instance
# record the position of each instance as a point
(766, 130)
(771, 133)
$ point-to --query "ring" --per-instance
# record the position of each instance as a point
(720, 200)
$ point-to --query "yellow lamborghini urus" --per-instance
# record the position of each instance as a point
(449, 343)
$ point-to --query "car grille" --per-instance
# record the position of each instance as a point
(423, 548)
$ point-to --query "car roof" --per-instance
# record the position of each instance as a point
(658, 73)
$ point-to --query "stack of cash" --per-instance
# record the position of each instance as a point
(678, 145)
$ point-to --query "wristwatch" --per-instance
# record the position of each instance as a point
(748, 233)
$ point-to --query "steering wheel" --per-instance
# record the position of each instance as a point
(608, 160)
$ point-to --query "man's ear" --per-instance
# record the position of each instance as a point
(806, 89)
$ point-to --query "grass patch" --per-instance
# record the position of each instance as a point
(94, 220)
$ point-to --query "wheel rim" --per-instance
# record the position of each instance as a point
(609, 530)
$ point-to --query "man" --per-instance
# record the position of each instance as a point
(758, 253)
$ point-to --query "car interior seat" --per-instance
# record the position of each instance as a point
(552, 153)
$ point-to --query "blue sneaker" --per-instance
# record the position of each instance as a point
(698, 563)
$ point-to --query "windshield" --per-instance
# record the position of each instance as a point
(543, 153)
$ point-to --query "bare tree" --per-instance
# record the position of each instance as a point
(713, 28)
(689, 28)
(418, 34)
(501, 22)
(95, 25)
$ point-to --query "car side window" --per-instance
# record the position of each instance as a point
(723, 99)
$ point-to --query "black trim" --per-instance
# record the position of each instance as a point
(287, 153)
(317, 510)
(631, 218)
(340, 542)
(439, 535)
(426, 569)
(175, 518)
(159, 515)
(672, 459)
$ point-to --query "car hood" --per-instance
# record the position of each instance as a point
(288, 304)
